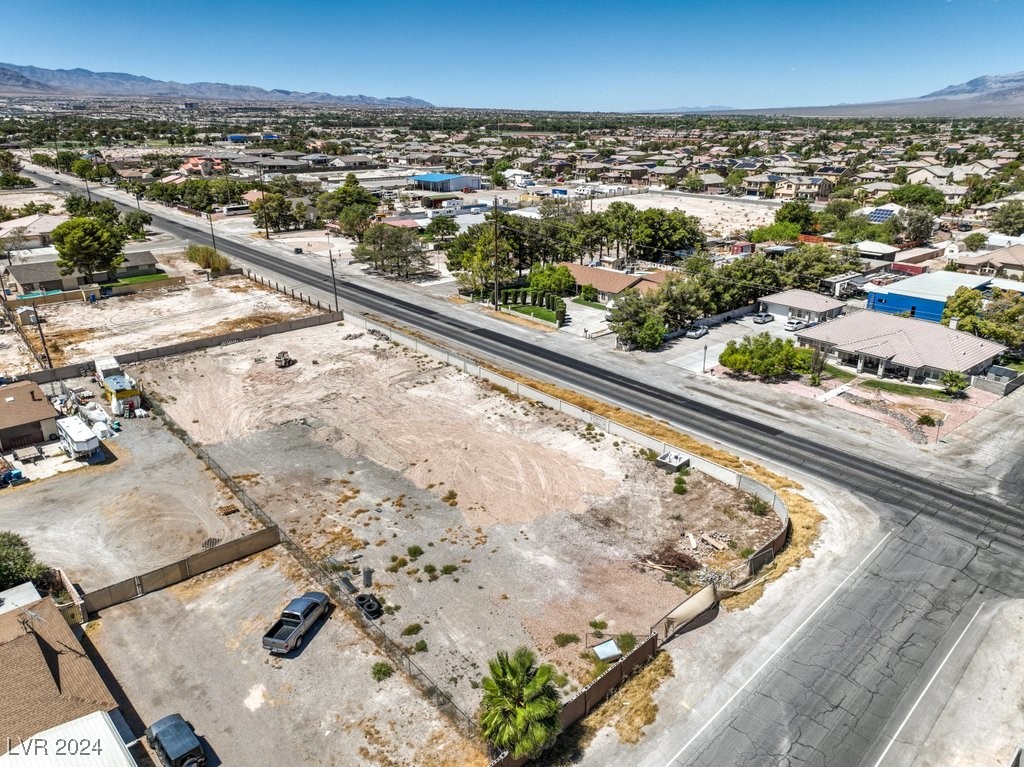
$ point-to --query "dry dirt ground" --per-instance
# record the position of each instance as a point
(18, 199)
(78, 331)
(719, 216)
(195, 648)
(15, 358)
(151, 505)
(530, 524)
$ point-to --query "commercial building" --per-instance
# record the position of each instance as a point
(444, 182)
(900, 346)
(923, 296)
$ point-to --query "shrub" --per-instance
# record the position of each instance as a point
(412, 630)
(626, 642)
(429, 569)
(420, 646)
(758, 506)
(381, 671)
(17, 562)
(451, 498)
(598, 625)
(397, 563)
(561, 640)
(925, 420)
(588, 293)
(449, 569)
(747, 553)
(207, 258)
(680, 488)
(414, 552)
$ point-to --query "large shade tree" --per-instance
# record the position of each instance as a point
(520, 709)
(87, 245)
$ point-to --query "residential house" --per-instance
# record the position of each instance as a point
(26, 416)
(802, 305)
(900, 346)
(47, 675)
(610, 284)
(33, 231)
(808, 188)
(1004, 262)
(44, 276)
(760, 184)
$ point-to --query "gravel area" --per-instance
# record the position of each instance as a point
(376, 450)
(719, 216)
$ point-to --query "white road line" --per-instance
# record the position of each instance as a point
(928, 686)
(778, 649)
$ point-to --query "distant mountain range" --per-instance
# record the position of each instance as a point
(683, 110)
(986, 96)
(27, 80)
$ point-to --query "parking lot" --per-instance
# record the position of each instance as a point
(195, 648)
(689, 353)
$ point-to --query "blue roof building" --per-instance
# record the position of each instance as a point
(445, 182)
(923, 296)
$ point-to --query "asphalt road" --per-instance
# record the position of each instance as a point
(841, 687)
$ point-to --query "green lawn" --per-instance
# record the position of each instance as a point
(539, 312)
(909, 390)
(1014, 365)
(839, 374)
(137, 279)
(591, 304)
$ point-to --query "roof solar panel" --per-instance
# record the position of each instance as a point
(880, 215)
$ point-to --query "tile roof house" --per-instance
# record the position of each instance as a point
(47, 677)
(609, 283)
(802, 304)
(901, 346)
(35, 230)
(1007, 261)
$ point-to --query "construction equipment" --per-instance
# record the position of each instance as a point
(284, 360)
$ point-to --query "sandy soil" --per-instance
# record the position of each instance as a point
(15, 357)
(78, 331)
(366, 448)
(12, 199)
(719, 216)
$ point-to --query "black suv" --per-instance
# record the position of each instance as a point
(175, 743)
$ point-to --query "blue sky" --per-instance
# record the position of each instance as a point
(553, 54)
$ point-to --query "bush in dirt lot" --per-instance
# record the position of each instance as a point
(207, 258)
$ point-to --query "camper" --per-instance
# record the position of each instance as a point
(107, 366)
(76, 438)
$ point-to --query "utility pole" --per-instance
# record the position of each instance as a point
(209, 216)
(496, 307)
(334, 281)
(42, 338)
(263, 198)
(87, 189)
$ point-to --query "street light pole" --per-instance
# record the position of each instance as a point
(496, 306)
(334, 281)
(704, 364)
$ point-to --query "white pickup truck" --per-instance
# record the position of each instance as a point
(296, 619)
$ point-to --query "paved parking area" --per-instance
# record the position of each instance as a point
(195, 648)
(689, 353)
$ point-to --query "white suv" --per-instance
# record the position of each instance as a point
(795, 324)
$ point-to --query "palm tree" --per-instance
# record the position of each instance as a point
(520, 707)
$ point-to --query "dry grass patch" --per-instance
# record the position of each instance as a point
(631, 708)
(256, 320)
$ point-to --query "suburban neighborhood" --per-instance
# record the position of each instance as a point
(354, 430)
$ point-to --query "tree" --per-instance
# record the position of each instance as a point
(919, 196)
(354, 220)
(391, 250)
(82, 168)
(953, 382)
(628, 318)
(916, 224)
(330, 204)
(9, 164)
(442, 227)
(273, 210)
(975, 240)
(652, 334)
(87, 245)
(796, 212)
(552, 279)
(520, 712)
(1008, 219)
(17, 562)
(134, 223)
(478, 265)
(765, 356)
(11, 241)
(964, 305)
(786, 231)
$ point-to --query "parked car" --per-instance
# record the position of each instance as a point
(762, 317)
(795, 324)
(697, 331)
(175, 742)
(296, 619)
(965, 227)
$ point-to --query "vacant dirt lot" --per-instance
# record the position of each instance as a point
(719, 216)
(488, 521)
(153, 504)
(18, 199)
(15, 358)
(195, 648)
(79, 331)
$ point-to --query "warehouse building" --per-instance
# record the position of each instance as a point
(445, 182)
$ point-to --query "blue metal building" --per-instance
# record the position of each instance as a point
(923, 296)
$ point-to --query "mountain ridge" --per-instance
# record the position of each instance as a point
(79, 81)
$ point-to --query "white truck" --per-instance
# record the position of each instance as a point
(76, 438)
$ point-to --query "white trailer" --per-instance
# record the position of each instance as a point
(107, 366)
(76, 438)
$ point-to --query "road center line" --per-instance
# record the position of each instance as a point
(779, 649)
(928, 686)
